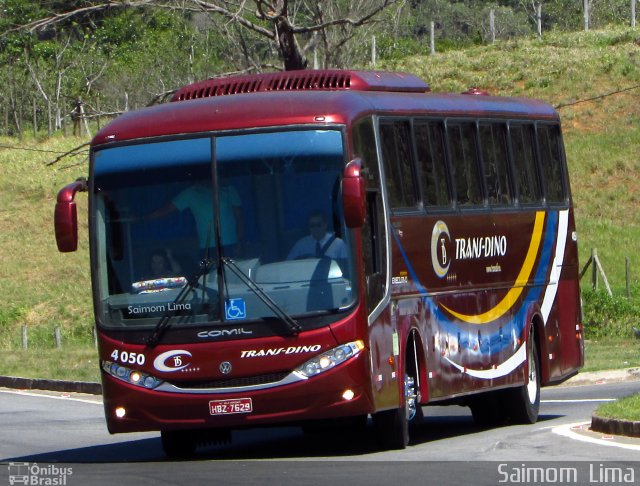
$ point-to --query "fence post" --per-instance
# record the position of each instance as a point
(25, 337)
(35, 118)
(432, 38)
(594, 268)
(539, 18)
(57, 337)
(627, 276)
(492, 25)
(586, 15)
(373, 50)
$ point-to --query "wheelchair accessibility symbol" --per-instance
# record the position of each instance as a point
(235, 309)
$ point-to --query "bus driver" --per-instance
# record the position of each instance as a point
(319, 242)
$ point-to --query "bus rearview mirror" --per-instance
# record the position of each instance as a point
(66, 216)
(353, 194)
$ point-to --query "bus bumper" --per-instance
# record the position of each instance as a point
(339, 392)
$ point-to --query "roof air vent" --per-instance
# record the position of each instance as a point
(311, 80)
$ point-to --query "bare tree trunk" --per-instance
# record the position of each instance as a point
(293, 58)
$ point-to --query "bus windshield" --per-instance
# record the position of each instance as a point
(210, 230)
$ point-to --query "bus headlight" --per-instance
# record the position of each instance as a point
(133, 377)
(329, 359)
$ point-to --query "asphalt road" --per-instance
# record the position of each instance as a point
(64, 435)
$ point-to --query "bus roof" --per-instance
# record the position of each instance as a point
(247, 107)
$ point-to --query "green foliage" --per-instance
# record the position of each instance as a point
(604, 315)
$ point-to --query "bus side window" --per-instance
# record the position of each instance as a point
(397, 154)
(493, 142)
(464, 163)
(432, 163)
(551, 160)
(522, 149)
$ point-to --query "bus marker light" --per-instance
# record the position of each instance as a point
(120, 412)
(348, 395)
(550, 339)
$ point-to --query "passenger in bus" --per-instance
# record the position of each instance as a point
(319, 242)
(198, 200)
(163, 264)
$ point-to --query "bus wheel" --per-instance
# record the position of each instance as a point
(412, 397)
(525, 400)
(178, 443)
(392, 426)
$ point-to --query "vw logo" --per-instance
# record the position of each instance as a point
(225, 367)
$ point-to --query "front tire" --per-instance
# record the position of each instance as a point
(392, 426)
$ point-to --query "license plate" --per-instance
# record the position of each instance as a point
(227, 407)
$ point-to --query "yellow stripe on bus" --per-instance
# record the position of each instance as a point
(523, 277)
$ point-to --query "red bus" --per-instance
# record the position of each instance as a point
(316, 246)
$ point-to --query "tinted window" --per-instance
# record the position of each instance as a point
(395, 138)
(551, 161)
(493, 142)
(464, 165)
(432, 168)
(522, 145)
(364, 146)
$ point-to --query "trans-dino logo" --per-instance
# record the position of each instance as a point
(440, 239)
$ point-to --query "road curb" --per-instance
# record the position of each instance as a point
(51, 385)
(604, 376)
(611, 426)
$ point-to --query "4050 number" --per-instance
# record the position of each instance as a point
(127, 357)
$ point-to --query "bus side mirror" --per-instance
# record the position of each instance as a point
(353, 194)
(66, 216)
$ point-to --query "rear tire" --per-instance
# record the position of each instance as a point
(525, 400)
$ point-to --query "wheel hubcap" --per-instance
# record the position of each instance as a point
(532, 386)
(411, 396)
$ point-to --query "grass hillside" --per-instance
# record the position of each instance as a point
(45, 289)
(602, 136)
(593, 78)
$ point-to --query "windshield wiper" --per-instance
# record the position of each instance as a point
(165, 321)
(291, 323)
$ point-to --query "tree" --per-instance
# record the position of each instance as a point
(292, 27)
